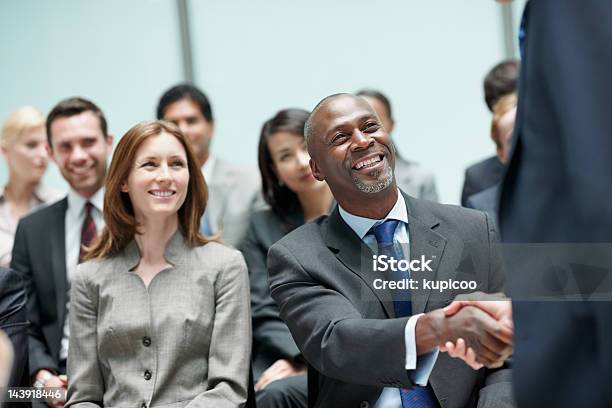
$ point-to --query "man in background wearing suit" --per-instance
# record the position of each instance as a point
(370, 346)
(233, 191)
(557, 190)
(501, 80)
(411, 177)
(48, 243)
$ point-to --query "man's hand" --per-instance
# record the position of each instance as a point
(53, 381)
(497, 305)
(280, 369)
(490, 340)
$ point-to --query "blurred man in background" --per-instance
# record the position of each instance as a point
(233, 191)
(500, 80)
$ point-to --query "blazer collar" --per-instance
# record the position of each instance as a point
(175, 251)
(357, 257)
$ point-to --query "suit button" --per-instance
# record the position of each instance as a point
(364, 404)
(147, 375)
(146, 341)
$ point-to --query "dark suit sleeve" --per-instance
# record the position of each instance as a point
(13, 322)
(497, 390)
(331, 333)
(270, 333)
(468, 188)
(20, 262)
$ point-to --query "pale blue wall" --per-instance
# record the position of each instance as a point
(120, 54)
(255, 57)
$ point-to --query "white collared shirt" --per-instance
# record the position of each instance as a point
(75, 215)
(421, 365)
(208, 168)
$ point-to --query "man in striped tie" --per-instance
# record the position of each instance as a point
(363, 290)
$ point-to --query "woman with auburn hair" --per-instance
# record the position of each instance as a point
(159, 314)
(24, 146)
(295, 197)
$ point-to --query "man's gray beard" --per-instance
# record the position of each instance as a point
(384, 181)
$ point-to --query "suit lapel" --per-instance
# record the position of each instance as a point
(424, 241)
(58, 257)
(356, 256)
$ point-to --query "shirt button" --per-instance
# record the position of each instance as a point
(146, 341)
(147, 375)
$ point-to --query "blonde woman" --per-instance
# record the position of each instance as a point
(23, 143)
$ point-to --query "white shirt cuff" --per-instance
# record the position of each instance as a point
(421, 366)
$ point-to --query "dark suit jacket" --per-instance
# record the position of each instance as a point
(347, 331)
(271, 337)
(39, 255)
(13, 322)
(557, 189)
(486, 200)
(480, 176)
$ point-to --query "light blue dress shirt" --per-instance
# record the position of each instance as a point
(420, 367)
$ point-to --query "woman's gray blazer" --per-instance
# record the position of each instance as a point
(183, 341)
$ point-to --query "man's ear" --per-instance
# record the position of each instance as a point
(316, 172)
(50, 152)
(109, 143)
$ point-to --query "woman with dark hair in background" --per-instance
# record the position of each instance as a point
(295, 197)
(159, 314)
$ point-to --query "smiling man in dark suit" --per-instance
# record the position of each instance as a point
(373, 347)
(48, 243)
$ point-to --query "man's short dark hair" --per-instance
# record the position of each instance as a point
(71, 107)
(185, 91)
(501, 80)
(379, 96)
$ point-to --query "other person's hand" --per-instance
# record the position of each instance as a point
(280, 369)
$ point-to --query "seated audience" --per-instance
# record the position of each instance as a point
(501, 80)
(14, 323)
(48, 243)
(502, 126)
(159, 314)
(24, 147)
(295, 197)
(411, 177)
(233, 191)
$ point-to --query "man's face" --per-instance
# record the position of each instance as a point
(187, 116)
(382, 113)
(80, 149)
(350, 149)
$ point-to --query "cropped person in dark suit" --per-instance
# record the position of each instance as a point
(410, 176)
(295, 197)
(500, 80)
(233, 190)
(14, 322)
(557, 190)
(372, 346)
(502, 126)
(48, 243)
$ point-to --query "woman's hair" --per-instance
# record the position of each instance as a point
(504, 105)
(118, 212)
(18, 122)
(280, 198)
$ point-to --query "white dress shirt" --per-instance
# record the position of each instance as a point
(75, 215)
(420, 366)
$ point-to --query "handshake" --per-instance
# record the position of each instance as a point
(476, 328)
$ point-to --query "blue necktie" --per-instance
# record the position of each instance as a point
(417, 396)
(205, 227)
